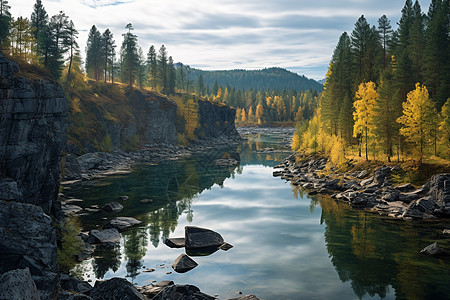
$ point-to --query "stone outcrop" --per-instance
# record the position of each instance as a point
(28, 240)
(33, 123)
(33, 131)
(115, 289)
(183, 263)
(216, 120)
(197, 237)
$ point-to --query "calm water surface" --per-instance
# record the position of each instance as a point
(287, 245)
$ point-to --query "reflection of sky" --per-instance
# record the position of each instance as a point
(279, 250)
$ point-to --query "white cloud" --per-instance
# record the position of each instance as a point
(228, 34)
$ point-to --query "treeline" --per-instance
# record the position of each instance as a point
(51, 44)
(386, 91)
(265, 79)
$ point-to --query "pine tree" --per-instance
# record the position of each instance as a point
(72, 45)
(153, 67)
(385, 28)
(5, 20)
(365, 104)
(171, 76)
(94, 53)
(437, 52)
(129, 56)
(59, 34)
(417, 42)
(200, 85)
(419, 116)
(108, 48)
(39, 21)
(360, 40)
(162, 68)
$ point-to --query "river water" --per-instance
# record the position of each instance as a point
(287, 245)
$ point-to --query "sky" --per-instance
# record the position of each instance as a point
(299, 35)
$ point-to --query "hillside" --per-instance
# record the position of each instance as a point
(271, 78)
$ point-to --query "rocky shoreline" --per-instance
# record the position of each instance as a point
(374, 192)
(97, 165)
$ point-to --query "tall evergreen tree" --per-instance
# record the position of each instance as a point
(171, 76)
(152, 66)
(162, 68)
(39, 21)
(5, 20)
(94, 53)
(200, 85)
(129, 56)
(385, 29)
(360, 39)
(72, 45)
(59, 34)
(108, 49)
(417, 42)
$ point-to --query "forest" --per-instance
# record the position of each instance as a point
(386, 94)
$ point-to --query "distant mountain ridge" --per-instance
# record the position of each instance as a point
(268, 79)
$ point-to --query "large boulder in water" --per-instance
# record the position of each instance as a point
(183, 264)
(106, 236)
(197, 237)
(115, 289)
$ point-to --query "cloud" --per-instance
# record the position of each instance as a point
(296, 34)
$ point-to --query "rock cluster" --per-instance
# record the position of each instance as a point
(375, 193)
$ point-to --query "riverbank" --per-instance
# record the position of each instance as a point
(372, 191)
(97, 165)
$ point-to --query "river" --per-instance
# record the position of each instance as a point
(287, 245)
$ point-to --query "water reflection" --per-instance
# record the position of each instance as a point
(379, 256)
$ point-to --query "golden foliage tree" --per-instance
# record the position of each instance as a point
(365, 104)
(444, 126)
(418, 119)
(259, 113)
(191, 118)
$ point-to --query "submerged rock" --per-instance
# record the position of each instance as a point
(184, 263)
(18, 284)
(122, 223)
(197, 237)
(113, 207)
(432, 249)
(110, 235)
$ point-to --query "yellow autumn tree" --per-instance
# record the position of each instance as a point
(259, 113)
(365, 104)
(295, 142)
(191, 118)
(243, 116)
(238, 115)
(251, 115)
(419, 119)
(444, 127)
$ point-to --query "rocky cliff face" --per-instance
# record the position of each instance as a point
(32, 130)
(216, 120)
(32, 133)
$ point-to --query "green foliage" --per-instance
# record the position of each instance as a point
(131, 144)
(106, 144)
(271, 78)
(69, 244)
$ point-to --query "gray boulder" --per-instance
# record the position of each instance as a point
(110, 235)
(197, 237)
(18, 284)
(184, 263)
(405, 188)
(70, 209)
(115, 289)
(432, 249)
(122, 223)
(175, 242)
(113, 207)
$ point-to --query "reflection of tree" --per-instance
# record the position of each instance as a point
(135, 248)
(106, 259)
(374, 254)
